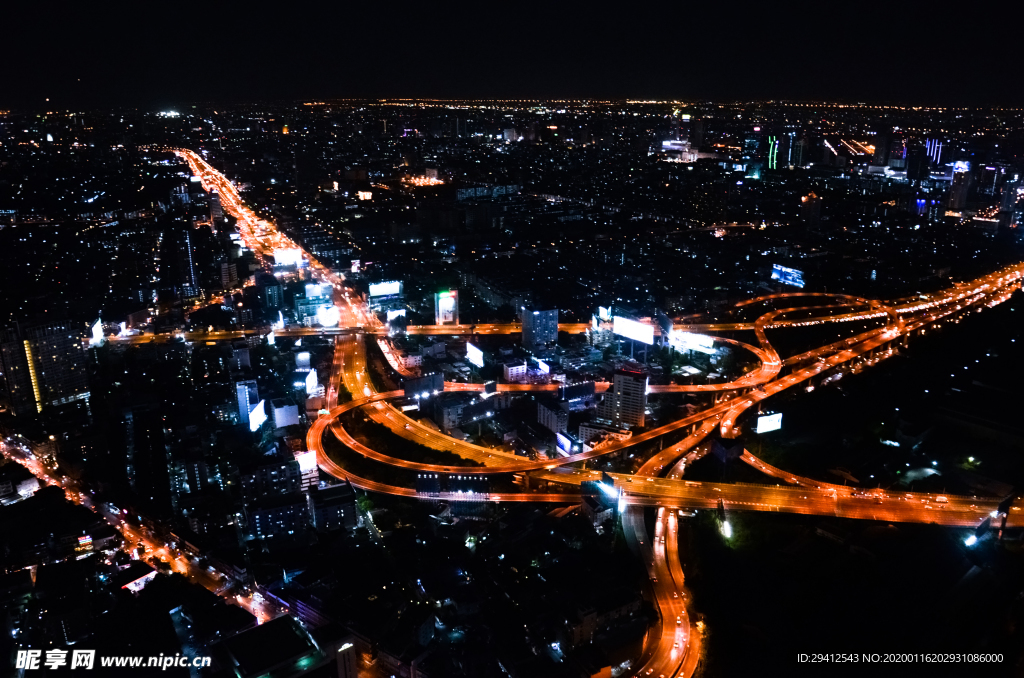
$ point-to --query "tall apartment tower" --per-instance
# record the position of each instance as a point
(539, 327)
(43, 364)
(626, 402)
(248, 398)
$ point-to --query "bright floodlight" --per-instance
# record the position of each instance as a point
(288, 256)
(97, 334)
(768, 422)
(257, 416)
(632, 329)
(971, 541)
(328, 316)
(307, 461)
(727, 529)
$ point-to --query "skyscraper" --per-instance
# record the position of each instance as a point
(248, 398)
(958, 189)
(540, 328)
(43, 365)
(626, 403)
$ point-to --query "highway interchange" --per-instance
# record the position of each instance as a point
(673, 647)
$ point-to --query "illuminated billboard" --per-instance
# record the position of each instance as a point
(97, 334)
(474, 355)
(311, 382)
(446, 308)
(543, 367)
(768, 422)
(787, 276)
(961, 166)
(631, 329)
(400, 313)
(288, 256)
(604, 313)
(257, 415)
(690, 341)
(307, 461)
(355, 265)
(385, 289)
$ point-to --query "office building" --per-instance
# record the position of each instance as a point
(283, 516)
(277, 477)
(283, 413)
(228, 275)
(958, 190)
(216, 211)
(553, 416)
(43, 365)
(626, 403)
(248, 397)
(333, 508)
(514, 371)
(540, 328)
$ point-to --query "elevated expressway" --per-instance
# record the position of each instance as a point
(673, 646)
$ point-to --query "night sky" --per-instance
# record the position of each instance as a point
(162, 53)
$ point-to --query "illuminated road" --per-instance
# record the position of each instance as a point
(135, 536)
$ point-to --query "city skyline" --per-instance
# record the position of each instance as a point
(529, 388)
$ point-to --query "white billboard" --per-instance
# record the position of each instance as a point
(328, 316)
(316, 290)
(768, 422)
(631, 329)
(311, 382)
(474, 355)
(543, 367)
(690, 341)
(400, 313)
(604, 313)
(385, 289)
(97, 334)
(355, 266)
(288, 256)
(307, 461)
(257, 415)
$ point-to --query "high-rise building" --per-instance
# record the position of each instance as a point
(540, 328)
(216, 211)
(626, 403)
(43, 364)
(898, 154)
(552, 416)
(810, 210)
(883, 143)
(189, 280)
(228, 275)
(958, 189)
(248, 397)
